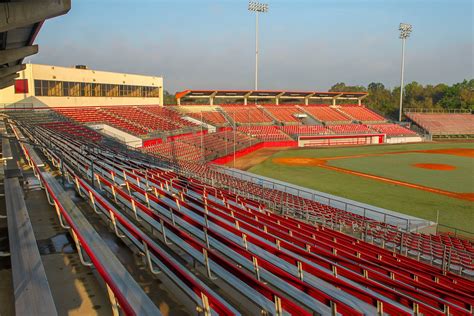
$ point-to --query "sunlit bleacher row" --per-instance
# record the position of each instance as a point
(360, 113)
(211, 117)
(271, 262)
(205, 147)
(306, 130)
(284, 113)
(245, 114)
(326, 114)
(444, 123)
(392, 129)
(98, 115)
(265, 133)
(349, 129)
(134, 120)
(73, 129)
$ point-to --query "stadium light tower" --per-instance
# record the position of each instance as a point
(257, 7)
(405, 30)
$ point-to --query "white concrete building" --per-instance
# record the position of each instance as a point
(54, 86)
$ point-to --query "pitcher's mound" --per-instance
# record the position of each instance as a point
(434, 166)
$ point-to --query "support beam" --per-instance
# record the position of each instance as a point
(359, 100)
(23, 13)
(11, 55)
(11, 70)
(8, 78)
(277, 98)
(7, 84)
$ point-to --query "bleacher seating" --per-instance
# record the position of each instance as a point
(326, 114)
(265, 133)
(283, 113)
(444, 123)
(204, 147)
(96, 115)
(360, 113)
(210, 117)
(245, 114)
(392, 130)
(306, 266)
(164, 114)
(76, 130)
(349, 129)
(306, 130)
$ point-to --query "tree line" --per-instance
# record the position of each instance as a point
(441, 96)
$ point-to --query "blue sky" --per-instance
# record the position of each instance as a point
(304, 44)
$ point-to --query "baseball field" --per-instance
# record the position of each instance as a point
(415, 179)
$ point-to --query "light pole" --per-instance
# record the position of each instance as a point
(257, 7)
(405, 30)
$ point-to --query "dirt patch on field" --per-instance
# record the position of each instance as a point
(299, 161)
(434, 166)
(254, 158)
(463, 152)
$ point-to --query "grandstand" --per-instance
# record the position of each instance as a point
(116, 204)
(274, 250)
(443, 123)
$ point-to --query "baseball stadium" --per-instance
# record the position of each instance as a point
(119, 198)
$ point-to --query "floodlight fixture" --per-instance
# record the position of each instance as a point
(257, 7)
(405, 31)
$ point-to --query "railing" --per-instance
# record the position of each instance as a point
(454, 232)
(434, 111)
(405, 223)
(123, 292)
(17, 106)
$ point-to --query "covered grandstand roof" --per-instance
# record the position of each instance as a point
(267, 94)
(20, 22)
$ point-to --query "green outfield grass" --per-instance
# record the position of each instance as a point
(453, 212)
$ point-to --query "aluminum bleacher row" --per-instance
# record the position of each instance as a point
(349, 129)
(124, 291)
(205, 147)
(211, 117)
(326, 114)
(296, 130)
(134, 120)
(392, 129)
(257, 259)
(360, 113)
(73, 129)
(265, 133)
(444, 123)
(245, 114)
(284, 113)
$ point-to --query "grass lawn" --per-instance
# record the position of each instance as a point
(453, 212)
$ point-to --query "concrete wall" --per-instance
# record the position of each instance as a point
(45, 72)
(403, 139)
(119, 135)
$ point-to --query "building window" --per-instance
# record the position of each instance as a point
(53, 88)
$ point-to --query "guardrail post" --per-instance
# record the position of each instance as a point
(113, 301)
(79, 250)
(114, 223)
(207, 264)
(163, 231)
(256, 267)
(148, 259)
